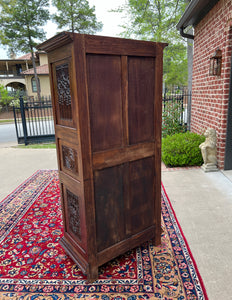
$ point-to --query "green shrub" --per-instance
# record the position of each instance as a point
(182, 149)
(5, 99)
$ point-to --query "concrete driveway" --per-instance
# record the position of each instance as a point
(203, 205)
(16, 165)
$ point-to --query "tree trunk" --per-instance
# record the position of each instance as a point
(36, 76)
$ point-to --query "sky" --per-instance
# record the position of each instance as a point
(111, 21)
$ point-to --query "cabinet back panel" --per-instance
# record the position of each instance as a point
(141, 88)
(124, 201)
(108, 186)
(141, 195)
(104, 91)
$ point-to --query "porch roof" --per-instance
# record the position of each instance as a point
(195, 12)
(41, 70)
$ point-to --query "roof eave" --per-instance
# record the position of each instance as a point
(195, 12)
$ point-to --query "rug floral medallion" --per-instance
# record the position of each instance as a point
(33, 265)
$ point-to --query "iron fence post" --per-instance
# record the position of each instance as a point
(189, 105)
(22, 110)
(182, 108)
(15, 120)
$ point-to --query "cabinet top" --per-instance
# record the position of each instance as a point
(102, 44)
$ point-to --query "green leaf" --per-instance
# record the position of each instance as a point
(76, 15)
(21, 23)
(156, 20)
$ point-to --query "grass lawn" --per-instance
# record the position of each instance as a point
(38, 146)
(6, 121)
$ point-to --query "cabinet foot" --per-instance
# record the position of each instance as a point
(92, 273)
(156, 241)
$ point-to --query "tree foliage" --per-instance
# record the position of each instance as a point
(5, 98)
(21, 25)
(156, 20)
(171, 118)
(76, 15)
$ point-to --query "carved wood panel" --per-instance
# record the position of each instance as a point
(63, 91)
(70, 159)
(69, 162)
(74, 219)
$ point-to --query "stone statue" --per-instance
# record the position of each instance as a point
(209, 151)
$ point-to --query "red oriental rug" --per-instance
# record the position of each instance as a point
(34, 266)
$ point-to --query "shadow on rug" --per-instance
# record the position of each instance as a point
(34, 266)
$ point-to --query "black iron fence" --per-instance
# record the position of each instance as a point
(34, 121)
(176, 111)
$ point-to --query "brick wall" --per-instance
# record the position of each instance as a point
(210, 93)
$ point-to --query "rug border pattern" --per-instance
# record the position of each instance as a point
(192, 265)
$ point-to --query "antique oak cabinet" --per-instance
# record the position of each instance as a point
(107, 108)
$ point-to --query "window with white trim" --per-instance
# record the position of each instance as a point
(33, 85)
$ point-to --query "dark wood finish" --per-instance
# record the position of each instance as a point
(109, 201)
(107, 109)
(141, 200)
(141, 88)
(107, 69)
(157, 137)
(115, 46)
(114, 157)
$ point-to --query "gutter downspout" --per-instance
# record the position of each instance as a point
(186, 35)
(228, 148)
(190, 70)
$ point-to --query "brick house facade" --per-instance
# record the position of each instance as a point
(211, 103)
(18, 74)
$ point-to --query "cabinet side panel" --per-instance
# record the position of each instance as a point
(141, 75)
(108, 185)
(104, 91)
(73, 208)
(141, 191)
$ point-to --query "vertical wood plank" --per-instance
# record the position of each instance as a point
(126, 196)
(52, 88)
(124, 62)
(157, 134)
(141, 200)
(79, 57)
(52, 91)
(79, 62)
(140, 99)
(105, 104)
(109, 203)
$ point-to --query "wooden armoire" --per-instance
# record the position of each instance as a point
(107, 103)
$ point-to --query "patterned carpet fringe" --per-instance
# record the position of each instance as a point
(34, 266)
